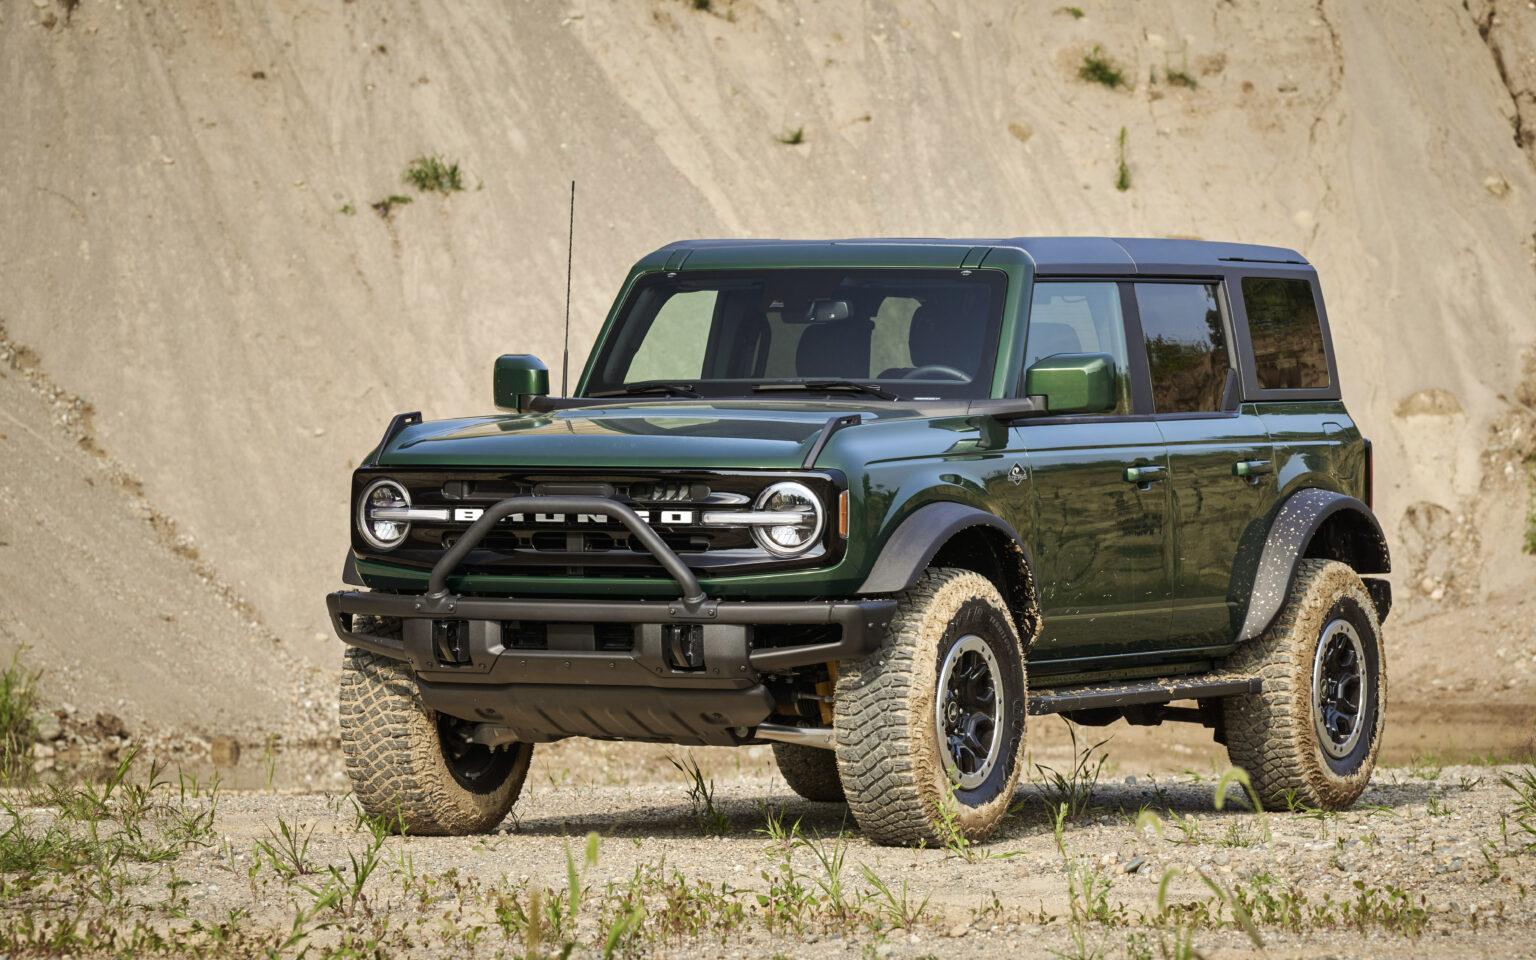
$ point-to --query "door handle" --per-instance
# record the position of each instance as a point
(1252, 468)
(1149, 473)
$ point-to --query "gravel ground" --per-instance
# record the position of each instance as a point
(1432, 862)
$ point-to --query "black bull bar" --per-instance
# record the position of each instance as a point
(692, 675)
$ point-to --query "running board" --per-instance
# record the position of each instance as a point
(1092, 696)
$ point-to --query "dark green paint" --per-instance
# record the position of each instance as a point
(518, 375)
(1129, 565)
(1073, 383)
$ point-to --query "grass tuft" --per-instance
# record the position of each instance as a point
(701, 793)
(1073, 789)
(433, 174)
(793, 137)
(18, 707)
(1097, 68)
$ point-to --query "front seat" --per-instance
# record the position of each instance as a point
(835, 348)
(941, 336)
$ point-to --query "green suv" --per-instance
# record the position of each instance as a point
(877, 503)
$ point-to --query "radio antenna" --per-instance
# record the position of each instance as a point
(570, 243)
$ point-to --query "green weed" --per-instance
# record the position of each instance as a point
(433, 174)
(793, 137)
(1123, 174)
(1074, 788)
(1076, 13)
(386, 206)
(18, 706)
(701, 793)
(1097, 68)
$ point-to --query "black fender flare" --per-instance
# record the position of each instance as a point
(1298, 519)
(919, 538)
(349, 574)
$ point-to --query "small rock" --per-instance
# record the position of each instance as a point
(224, 751)
(110, 725)
(1135, 863)
(49, 728)
(1496, 185)
(959, 930)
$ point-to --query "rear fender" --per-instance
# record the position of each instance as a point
(1311, 523)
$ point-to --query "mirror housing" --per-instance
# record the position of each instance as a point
(1073, 382)
(518, 375)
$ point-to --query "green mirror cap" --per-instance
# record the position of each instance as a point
(1074, 382)
(518, 375)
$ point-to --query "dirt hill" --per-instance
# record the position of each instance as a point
(191, 245)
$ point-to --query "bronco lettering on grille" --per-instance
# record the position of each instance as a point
(667, 517)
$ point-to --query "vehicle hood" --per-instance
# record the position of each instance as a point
(675, 433)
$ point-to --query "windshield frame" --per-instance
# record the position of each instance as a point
(616, 340)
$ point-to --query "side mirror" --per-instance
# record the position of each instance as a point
(1073, 382)
(518, 375)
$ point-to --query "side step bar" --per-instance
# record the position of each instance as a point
(1093, 696)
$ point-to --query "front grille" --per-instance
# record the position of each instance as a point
(553, 545)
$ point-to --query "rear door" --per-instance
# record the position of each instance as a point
(1098, 539)
(1220, 466)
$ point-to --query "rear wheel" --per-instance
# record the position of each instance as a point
(810, 771)
(1311, 734)
(418, 769)
(930, 728)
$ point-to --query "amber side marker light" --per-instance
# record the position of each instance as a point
(842, 514)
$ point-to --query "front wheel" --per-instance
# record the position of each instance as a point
(1311, 734)
(417, 769)
(930, 727)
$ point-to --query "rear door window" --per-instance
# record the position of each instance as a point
(1187, 355)
(1286, 335)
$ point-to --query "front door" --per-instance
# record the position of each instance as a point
(1099, 532)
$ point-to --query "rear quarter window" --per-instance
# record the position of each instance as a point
(1285, 333)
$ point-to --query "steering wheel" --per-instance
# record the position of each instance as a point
(927, 371)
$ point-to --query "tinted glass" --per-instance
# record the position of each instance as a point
(1186, 346)
(915, 333)
(1287, 337)
(1079, 318)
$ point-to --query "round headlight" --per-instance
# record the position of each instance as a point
(383, 496)
(789, 539)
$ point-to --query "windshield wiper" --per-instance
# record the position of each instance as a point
(815, 386)
(635, 389)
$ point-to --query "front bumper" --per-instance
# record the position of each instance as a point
(538, 695)
(692, 670)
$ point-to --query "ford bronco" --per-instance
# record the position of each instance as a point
(877, 503)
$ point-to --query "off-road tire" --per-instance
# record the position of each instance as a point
(810, 771)
(1272, 734)
(396, 762)
(888, 739)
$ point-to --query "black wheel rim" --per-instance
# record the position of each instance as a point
(477, 767)
(968, 711)
(1339, 688)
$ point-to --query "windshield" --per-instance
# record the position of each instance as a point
(907, 334)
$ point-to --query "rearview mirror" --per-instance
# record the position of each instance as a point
(518, 375)
(1073, 382)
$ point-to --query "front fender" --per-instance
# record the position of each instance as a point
(920, 536)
